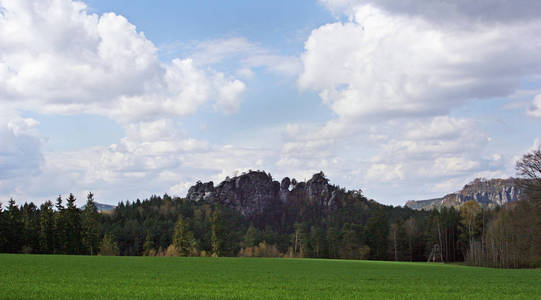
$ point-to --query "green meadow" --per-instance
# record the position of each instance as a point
(57, 276)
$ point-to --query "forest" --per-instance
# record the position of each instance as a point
(357, 228)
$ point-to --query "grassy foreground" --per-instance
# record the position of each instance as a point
(47, 276)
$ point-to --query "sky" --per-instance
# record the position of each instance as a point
(402, 99)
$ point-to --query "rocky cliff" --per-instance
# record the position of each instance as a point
(255, 192)
(488, 193)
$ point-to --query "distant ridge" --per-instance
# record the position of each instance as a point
(104, 207)
(488, 193)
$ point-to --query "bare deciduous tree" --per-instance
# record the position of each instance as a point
(530, 165)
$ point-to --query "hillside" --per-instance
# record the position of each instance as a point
(104, 208)
(488, 193)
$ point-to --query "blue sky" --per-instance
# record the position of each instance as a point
(404, 100)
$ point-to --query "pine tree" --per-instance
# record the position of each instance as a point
(316, 240)
(3, 230)
(46, 222)
(148, 246)
(218, 233)
(411, 232)
(73, 217)
(350, 242)
(90, 225)
(15, 227)
(30, 219)
(61, 227)
(109, 246)
(251, 238)
(377, 232)
(332, 241)
(183, 238)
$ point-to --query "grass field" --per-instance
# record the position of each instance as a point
(47, 276)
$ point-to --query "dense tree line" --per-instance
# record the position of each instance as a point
(508, 236)
(167, 226)
(358, 229)
(59, 230)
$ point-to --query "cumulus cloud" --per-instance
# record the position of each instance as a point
(385, 172)
(393, 72)
(153, 158)
(385, 65)
(426, 156)
(57, 58)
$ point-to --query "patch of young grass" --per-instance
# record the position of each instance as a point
(58, 276)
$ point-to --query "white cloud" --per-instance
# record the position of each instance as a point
(385, 173)
(382, 65)
(394, 73)
(57, 58)
(249, 55)
(20, 153)
(437, 149)
(155, 157)
(391, 73)
(229, 94)
(417, 156)
(452, 165)
(20, 148)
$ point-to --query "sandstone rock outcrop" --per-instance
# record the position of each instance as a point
(488, 193)
(254, 192)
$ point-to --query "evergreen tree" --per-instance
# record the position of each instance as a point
(332, 240)
(377, 232)
(350, 243)
(109, 246)
(47, 230)
(3, 230)
(218, 233)
(30, 219)
(252, 236)
(90, 225)
(316, 241)
(411, 233)
(183, 238)
(450, 232)
(73, 218)
(61, 227)
(148, 246)
(15, 227)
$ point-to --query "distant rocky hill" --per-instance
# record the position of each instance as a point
(488, 193)
(104, 207)
(255, 194)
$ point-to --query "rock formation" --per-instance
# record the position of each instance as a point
(488, 193)
(254, 192)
